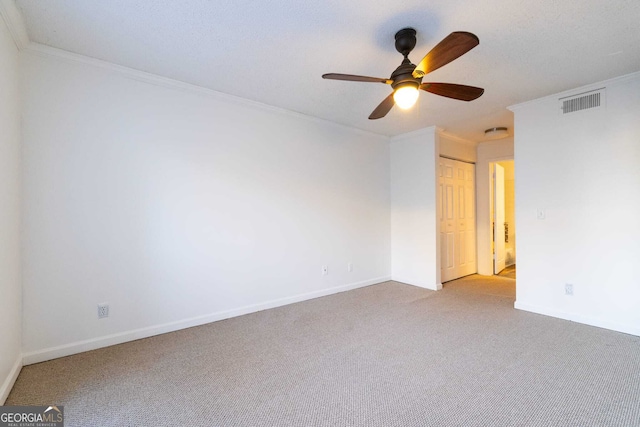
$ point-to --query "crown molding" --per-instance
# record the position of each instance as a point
(430, 131)
(15, 24)
(593, 86)
(443, 133)
(41, 50)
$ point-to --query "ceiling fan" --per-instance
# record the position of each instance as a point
(407, 78)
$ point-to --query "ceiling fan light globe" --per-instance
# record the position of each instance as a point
(405, 97)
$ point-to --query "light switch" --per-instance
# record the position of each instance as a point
(541, 214)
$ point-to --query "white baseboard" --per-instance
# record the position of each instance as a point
(591, 321)
(418, 283)
(10, 380)
(136, 334)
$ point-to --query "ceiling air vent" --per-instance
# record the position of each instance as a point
(582, 101)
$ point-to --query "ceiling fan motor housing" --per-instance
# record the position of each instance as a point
(403, 75)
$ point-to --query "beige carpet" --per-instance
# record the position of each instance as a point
(385, 355)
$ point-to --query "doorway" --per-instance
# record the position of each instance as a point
(503, 218)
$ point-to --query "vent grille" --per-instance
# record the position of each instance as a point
(583, 101)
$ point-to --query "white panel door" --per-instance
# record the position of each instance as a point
(499, 255)
(447, 219)
(456, 215)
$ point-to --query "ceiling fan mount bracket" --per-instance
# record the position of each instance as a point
(405, 41)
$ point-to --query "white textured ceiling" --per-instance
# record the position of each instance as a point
(275, 51)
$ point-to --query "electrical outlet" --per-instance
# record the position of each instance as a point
(103, 311)
(568, 289)
(349, 267)
(325, 270)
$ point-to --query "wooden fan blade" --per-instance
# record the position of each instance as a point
(382, 109)
(453, 46)
(461, 92)
(354, 78)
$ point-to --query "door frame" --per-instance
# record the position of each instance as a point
(484, 235)
(498, 229)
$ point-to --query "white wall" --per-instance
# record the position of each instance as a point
(10, 213)
(583, 169)
(490, 151)
(178, 207)
(414, 254)
(456, 148)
